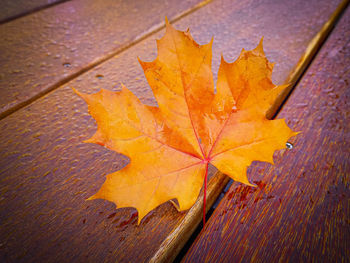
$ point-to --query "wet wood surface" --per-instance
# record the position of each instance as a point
(45, 49)
(300, 210)
(11, 9)
(47, 172)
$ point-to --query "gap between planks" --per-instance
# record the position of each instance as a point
(177, 239)
(31, 11)
(147, 33)
(304, 62)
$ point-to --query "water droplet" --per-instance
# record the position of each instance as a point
(301, 105)
(289, 145)
(99, 76)
(66, 65)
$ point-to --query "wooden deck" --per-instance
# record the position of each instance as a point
(299, 212)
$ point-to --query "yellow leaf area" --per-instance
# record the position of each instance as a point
(170, 146)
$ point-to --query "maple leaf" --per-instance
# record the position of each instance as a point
(170, 146)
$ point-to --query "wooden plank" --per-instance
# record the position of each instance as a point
(300, 210)
(11, 9)
(47, 172)
(309, 54)
(173, 244)
(41, 51)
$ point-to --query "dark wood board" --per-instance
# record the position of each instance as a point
(41, 51)
(300, 210)
(12, 9)
(47, 172)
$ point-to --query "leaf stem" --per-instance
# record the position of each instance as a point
(205, 193)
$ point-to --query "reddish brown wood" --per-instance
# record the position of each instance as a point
(300, 210)
(11, 9)
(47, 172)
(41, 51)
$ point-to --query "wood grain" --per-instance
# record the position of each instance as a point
(174, 242)
(47, 172)
(300, 210)
(41, 51)
(12, 9)
(305, 60)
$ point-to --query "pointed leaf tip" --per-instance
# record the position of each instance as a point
(167, 23)
(91, 198)
(75, 90)
(168, 144)
(78, 92)
(261, 40)
(260, 47)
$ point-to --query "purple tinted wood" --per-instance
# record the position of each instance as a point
(11, 9)
(47, 172)
(300, 210)
(41, 51)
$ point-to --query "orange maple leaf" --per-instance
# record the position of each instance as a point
(170, 146)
